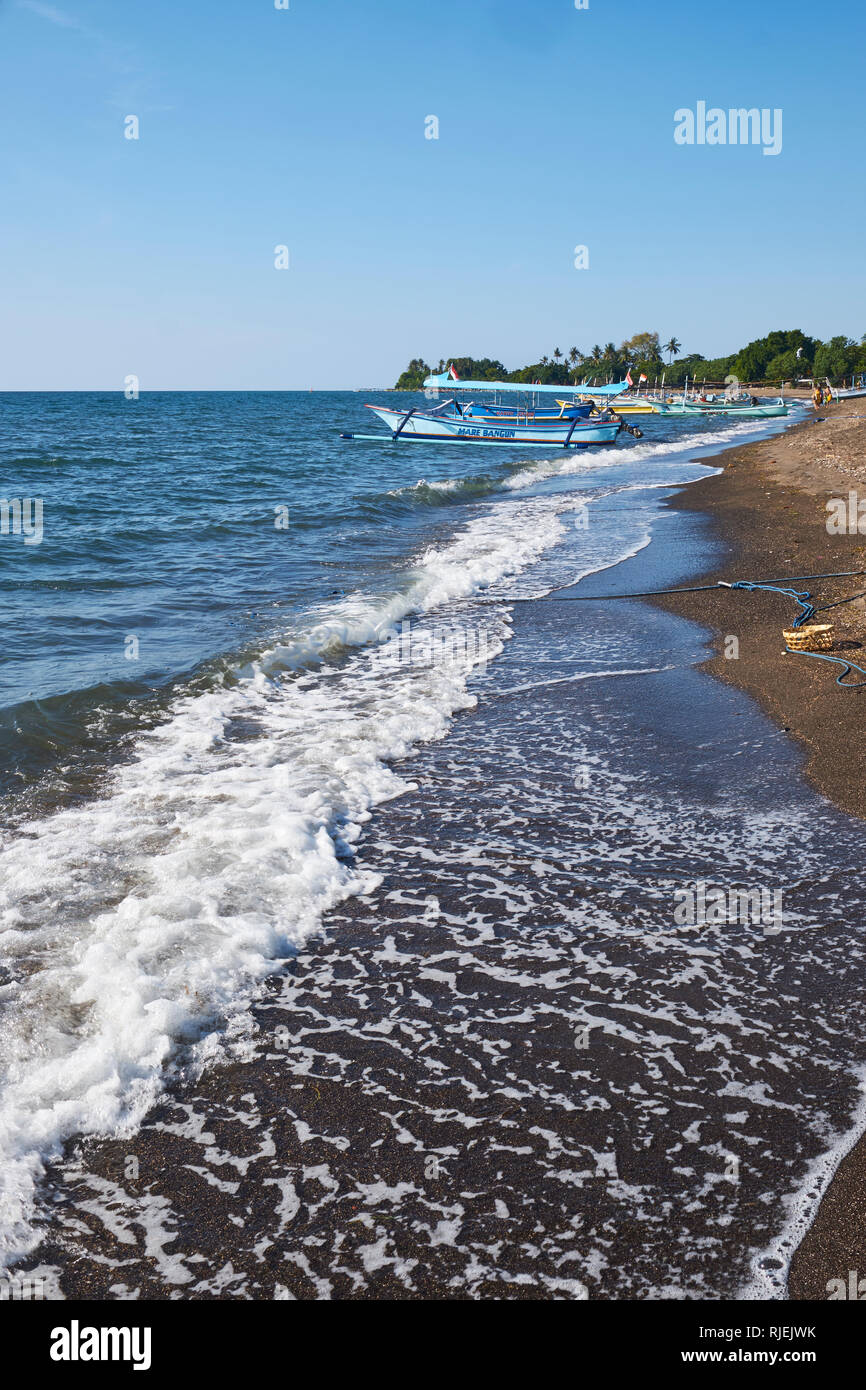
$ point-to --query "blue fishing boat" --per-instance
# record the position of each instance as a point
(525, 423)
(514, 414)
(441, 425)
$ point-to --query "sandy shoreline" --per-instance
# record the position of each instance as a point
(770, 507)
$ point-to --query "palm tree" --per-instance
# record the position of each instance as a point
(596, 353)
(557, 352)
(545, 359)
(673, 347)
(575, 355)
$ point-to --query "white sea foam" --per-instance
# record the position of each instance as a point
(589, 459)
(770, 1267)
(505, 540)
(149, 917)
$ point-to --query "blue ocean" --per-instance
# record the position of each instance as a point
(187, 538)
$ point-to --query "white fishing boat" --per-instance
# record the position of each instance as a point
(441, 425)
(729, 409)
(525, 425)
(741, 405)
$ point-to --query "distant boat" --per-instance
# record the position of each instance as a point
(633, 406)
(735, 409)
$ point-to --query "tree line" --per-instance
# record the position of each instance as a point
(783, 356)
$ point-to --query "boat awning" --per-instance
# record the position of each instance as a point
(445, 381)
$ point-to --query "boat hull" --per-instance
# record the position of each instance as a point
(451, 428)
(745, 412)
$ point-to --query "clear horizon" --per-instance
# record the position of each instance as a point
(305, 128)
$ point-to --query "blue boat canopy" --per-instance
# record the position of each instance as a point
(445, 381)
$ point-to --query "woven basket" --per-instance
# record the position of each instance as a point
(814, 637)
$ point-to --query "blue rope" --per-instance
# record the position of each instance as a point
(800, 597)
(807, 612)
(840, 661)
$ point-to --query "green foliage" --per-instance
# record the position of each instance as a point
(840, 357)
(548, 373)
(479, 368)
(753, 361)
(785, 367)
(643, 347)
(692, 366)
(772, 359)
(413, 377)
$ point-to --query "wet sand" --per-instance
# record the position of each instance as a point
(769, 506)
(502, 1075)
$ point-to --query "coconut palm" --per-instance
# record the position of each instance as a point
(673, 347)
(575, 355)
(557, 352)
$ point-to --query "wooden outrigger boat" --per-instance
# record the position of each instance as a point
(738, 410)
(441, 426)
(528, 425)
(738, 407)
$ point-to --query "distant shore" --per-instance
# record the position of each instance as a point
(770, 508)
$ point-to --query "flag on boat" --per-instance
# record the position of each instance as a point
(451, 372)
(641, 378)
(628, 377)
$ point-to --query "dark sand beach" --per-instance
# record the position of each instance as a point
(770, 505)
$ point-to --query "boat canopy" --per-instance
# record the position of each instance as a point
(446, 381)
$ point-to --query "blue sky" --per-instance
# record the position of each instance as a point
(305, 127)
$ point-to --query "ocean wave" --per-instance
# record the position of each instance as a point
(145, 920)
